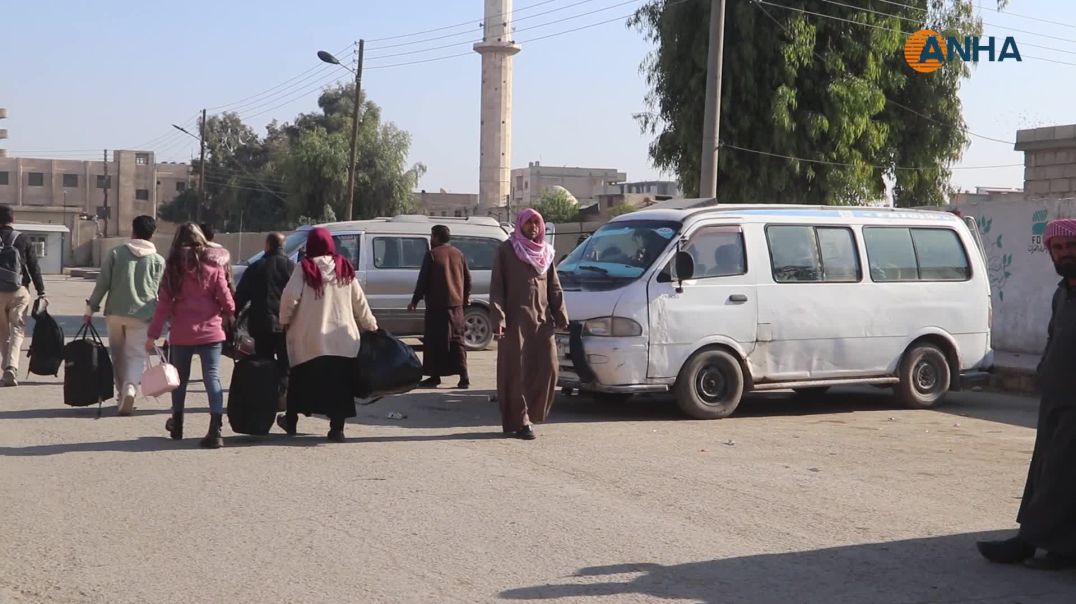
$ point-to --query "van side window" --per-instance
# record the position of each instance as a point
(717, 252)
(890, 254)
(479, 251)
(400, 252)
(840, 260)
(348, 247)
(794, 253)
(940, 254)
(919, 254)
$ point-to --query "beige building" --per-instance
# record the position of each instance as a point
(59, 191)
(586, 184)
(1049, 160)
(3, 132)
(448, 204)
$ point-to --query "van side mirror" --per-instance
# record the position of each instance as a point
(685, 269)
(685, 266)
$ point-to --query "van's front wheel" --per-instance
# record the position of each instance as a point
(924, 377)
(710, 385)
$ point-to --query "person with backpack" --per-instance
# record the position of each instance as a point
(217, 253)
(130, 276)
(18, 268)
(194, 297)
(261, 287)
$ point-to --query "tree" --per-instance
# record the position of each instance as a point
(620, 208)
(557, 206)
(180, 209)
(383, 180)
(808, 88)
(315, 173)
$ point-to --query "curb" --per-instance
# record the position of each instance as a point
(1016, 380)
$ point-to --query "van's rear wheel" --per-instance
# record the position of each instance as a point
(710, 385)
(924, 377)
(477, 328)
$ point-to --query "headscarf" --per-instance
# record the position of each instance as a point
(320, 243)
(1062, 227)
(535, 252)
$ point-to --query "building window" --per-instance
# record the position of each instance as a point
(181, 187)
(36, 179)
(141, 159)
(457, 214)
(3, 178)
(104, 182)
(70, 181)
(142, 194)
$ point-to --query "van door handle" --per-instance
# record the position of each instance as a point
(738, 298)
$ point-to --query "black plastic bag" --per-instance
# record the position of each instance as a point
(385, 365)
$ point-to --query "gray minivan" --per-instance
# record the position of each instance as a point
(388, 253)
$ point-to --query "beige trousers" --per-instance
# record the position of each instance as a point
(13, 309)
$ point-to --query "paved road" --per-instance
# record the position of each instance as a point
(845, 499)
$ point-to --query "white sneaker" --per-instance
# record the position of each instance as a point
(9, 378)
(128, 400)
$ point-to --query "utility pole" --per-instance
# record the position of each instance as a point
(712, 117)
(354, 134)
(108, 185)
(202, 199)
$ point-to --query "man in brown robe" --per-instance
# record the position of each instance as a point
(527, 305)
(445, 282)
(1047, 513)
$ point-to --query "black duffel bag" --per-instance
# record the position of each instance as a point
(88, 378)
(385, 366)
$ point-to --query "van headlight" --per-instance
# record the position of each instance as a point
(618, 327)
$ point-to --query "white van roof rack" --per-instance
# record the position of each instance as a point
(486, 220)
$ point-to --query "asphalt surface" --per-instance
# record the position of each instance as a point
(846, 498)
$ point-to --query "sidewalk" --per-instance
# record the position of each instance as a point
(1015, 372)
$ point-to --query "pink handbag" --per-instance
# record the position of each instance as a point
(161, 378)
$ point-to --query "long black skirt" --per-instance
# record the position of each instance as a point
(322, 386)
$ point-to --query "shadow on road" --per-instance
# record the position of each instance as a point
(936, 569)
(107, 411)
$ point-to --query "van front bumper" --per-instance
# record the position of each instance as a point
(603, 364)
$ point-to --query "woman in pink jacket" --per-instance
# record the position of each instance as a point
(194, 297)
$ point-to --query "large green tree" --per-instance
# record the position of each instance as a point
(383, 180)
(557, 206)
(833, 89)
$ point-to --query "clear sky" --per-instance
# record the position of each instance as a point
(82, 76)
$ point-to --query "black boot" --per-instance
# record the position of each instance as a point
(174, 425)
(430, 382)
(336, 430)
(288, 422)
(213, 439)
(465, 381)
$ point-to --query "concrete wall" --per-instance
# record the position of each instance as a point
(1022, 277)
(241, 245)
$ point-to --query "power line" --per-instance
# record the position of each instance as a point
(480, 25)
(243, 101)
(888, 100)
(1000, 12)
(458, 25)
(724, 145)
(889, 29)
(515, 31)
(920, 23)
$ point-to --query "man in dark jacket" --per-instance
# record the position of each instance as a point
(445, 282)
(18, 268)
(260, 287)
(1047, 513)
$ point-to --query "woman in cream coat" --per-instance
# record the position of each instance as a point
(322, 308)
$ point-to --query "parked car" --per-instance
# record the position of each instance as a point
(715, 302)
(388, 253)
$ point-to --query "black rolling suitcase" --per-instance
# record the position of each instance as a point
(252, 396)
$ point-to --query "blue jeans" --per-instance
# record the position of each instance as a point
(181, 356)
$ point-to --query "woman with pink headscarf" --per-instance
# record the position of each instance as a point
(527, 306)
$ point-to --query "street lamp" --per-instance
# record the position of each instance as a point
(328, 57)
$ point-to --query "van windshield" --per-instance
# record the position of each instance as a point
(616, 254)
(291, 243)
